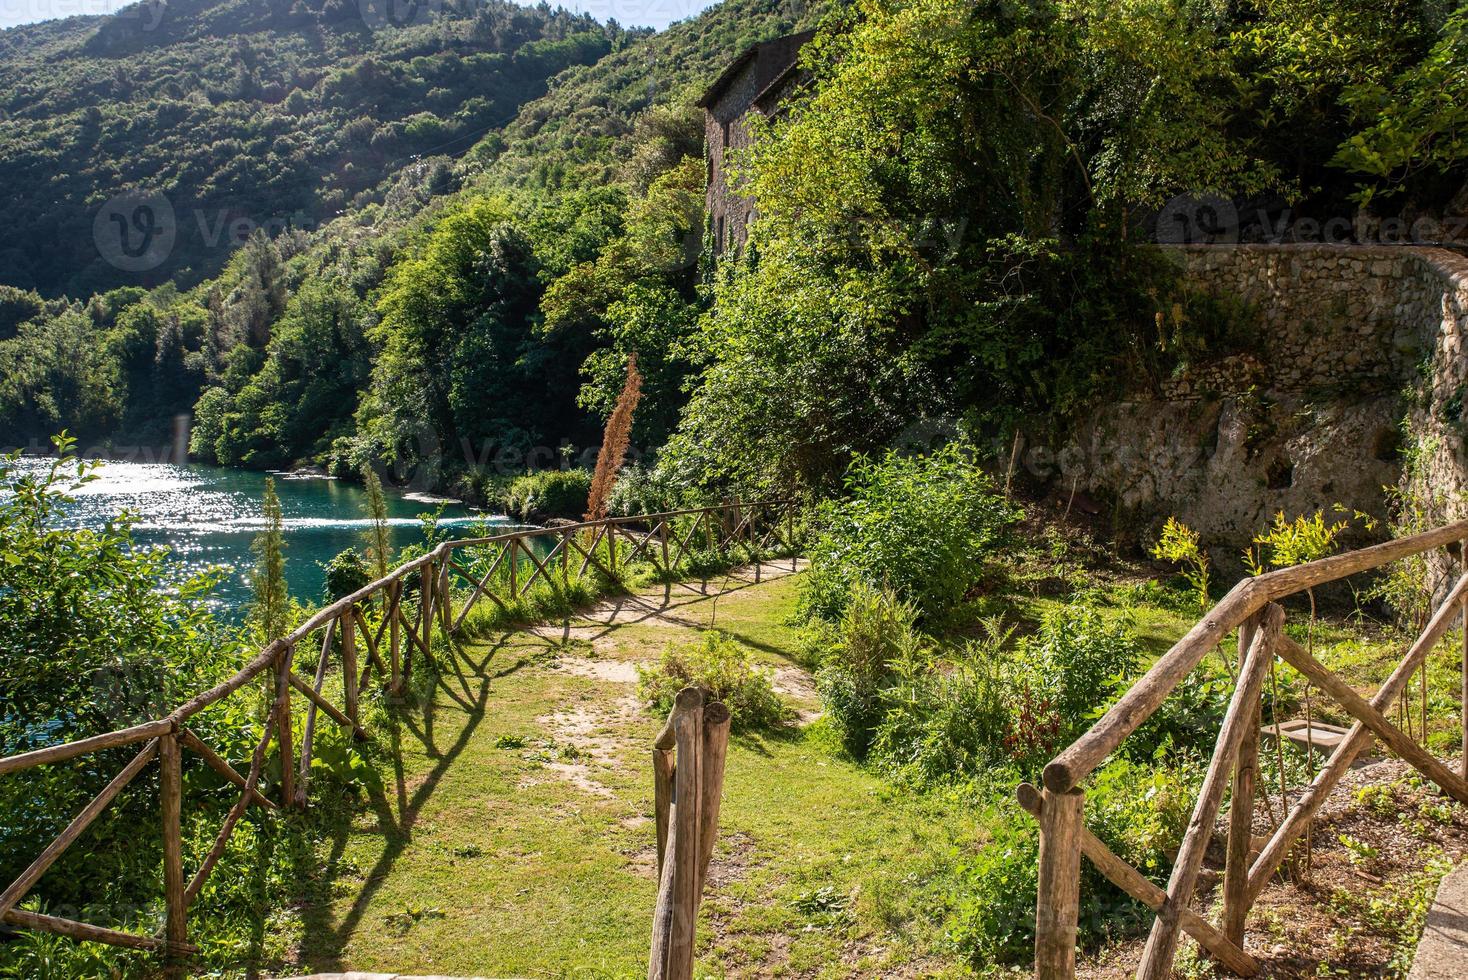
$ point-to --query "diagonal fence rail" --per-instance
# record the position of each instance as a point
(363, 641)
(1252, 608)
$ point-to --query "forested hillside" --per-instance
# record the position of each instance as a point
(246, 113)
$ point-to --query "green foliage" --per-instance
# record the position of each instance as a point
(378, 538)
(1080, 660)
(923, 525)
(720, 665)
(97, 633)
(1287, 543)
(251, 113)
(345, 573)
(1179, 545)
(1414, 124)
(548, 493)
(857, 657)
(946, 716)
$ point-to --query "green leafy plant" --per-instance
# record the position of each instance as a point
(922, 526)
(721, 666)
(1178, 544)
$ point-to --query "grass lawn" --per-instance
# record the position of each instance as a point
(509, 832)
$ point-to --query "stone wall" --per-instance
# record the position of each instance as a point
(1351, 341)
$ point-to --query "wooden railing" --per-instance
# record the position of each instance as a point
(1252, 608)
(687, 790)
(375, 631)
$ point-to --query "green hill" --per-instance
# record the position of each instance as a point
(244, 114)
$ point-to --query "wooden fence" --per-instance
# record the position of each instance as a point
(375, 631)
(687, 789)
(1251, 607)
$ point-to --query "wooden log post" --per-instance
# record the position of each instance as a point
(170, 797)
(514, 558)
(285, 735)
(445, 595)
(714, 754)
(1161, 946)
(395, 637)
(349, 663)
(676, 914)
(1058, 895)
(612, 549)
(1463, 704)
(1241, 812)
(425, 608)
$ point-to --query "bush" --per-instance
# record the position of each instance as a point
(1078, 662)
(345, 573)
(640, 490)
(921, 525)
(548, 493)
(877, 631)
(946, 719)
(718, 664)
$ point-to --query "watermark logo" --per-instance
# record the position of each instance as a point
(1198, 219)
(135, 231)
(380, 15)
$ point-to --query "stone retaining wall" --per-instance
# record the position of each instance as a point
(1351, 341)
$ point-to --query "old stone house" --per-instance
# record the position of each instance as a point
(758, 80)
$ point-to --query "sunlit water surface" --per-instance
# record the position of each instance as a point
(208, 516)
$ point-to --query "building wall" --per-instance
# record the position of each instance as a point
(725, 130)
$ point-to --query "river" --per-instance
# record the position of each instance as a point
(209, 515)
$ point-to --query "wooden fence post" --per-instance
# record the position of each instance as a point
(1058, 896)
(425, 607)
(393, 600)
(170, 795)
(1241, 811)
(349, 663)
(514, 560)
(612, 549)
(1463, 704)
(285, 735)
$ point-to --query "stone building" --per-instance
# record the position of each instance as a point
(758, 80)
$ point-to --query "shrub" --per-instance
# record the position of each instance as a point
(1079, 662)
(548, 493)
(720, 665)
(876, 631)
(922, 525)
(645, 490)
(946, 718)
(345, 573)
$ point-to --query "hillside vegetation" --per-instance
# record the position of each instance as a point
(244, 114)
(947, 234)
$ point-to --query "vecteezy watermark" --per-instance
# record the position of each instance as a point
(1190, 219)
(381, 15)
(1207, 219)
(136, 231)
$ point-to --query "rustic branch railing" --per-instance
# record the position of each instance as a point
(1252, 608)
(687, 791)
(501, 568)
